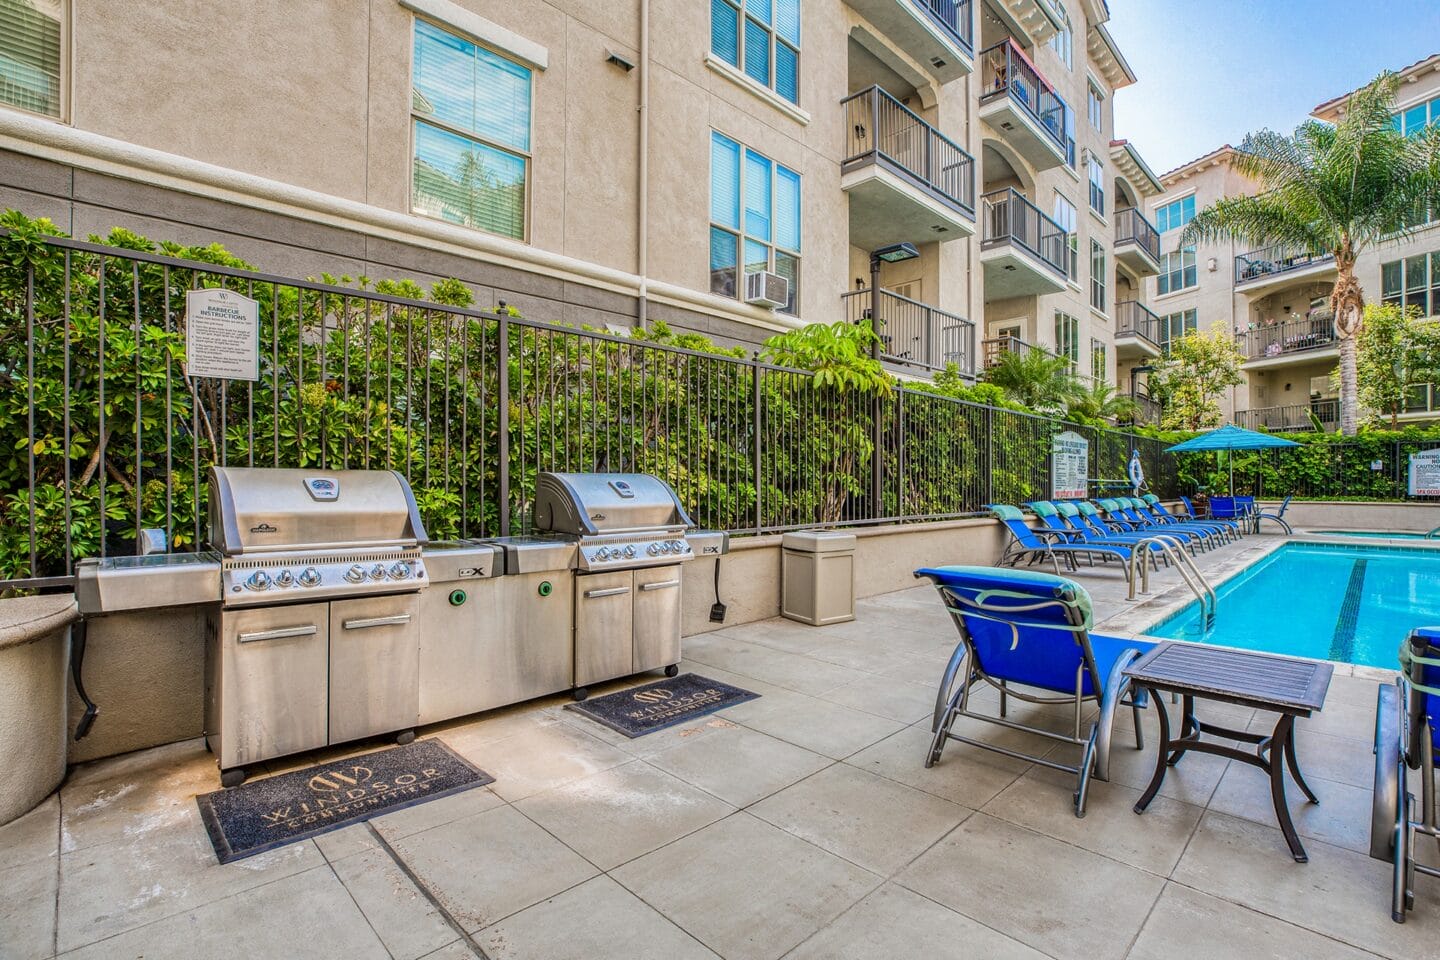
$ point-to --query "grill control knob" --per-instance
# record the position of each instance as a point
(377, 572)
(602, 554)
(630, 551)
(355, 574)
(285, 579)
(653, 549)
(679, 545)
(309, 577)
(259, 580)
(399, 571)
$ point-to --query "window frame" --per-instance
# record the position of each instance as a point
(1098, 349)
(1426, 296)
(1096, 188)
(1162, 214)
(62, 95)
(1064, 37)
(528, 154)
(1094, 105)
(739, 233)
(1167, 271)
(739, 7)
(1188, 319)
(1067, 338)
(1097, 276)
(1072, 233)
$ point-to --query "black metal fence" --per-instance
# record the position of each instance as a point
(109, 434)
(1359, 469)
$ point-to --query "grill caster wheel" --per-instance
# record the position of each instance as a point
(404, 737)
(232, 778)
(579, 693)
(673, 670)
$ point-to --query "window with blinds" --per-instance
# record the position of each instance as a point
(1067, 338)
(33, 56)
(754, 219)
(762, 38)
(471, 113)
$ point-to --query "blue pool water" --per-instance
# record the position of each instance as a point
(1354, 604)
(1373, 534)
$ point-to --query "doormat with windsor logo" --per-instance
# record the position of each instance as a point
(264, 814)
(664, 703)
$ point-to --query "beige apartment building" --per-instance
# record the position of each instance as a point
(1276, 301)
(729, 167)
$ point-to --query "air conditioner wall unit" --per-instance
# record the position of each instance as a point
(764, 289)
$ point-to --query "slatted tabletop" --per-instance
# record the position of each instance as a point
(1263, 680)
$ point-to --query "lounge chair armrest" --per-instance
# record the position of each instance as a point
(1389, 771)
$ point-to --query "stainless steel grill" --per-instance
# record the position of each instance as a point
(315, 637)
(630, 530)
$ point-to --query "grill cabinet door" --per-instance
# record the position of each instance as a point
(603, 623)
(271, 682)
(657, 618)
(374, 666)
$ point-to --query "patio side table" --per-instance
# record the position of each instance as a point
(1285, 685)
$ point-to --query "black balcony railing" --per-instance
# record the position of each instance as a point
(1268, 261)
(996, 347)
(1005, 71)
(1010, 218)
(1132, 227)
(1299, 416)
(954, 16)
(1133, 318)
(914, 333)
(1147, 409)
(880, 129)
(1314, 332)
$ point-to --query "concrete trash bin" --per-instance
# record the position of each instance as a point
(34, 655)
(817, 577)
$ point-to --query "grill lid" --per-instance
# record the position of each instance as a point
(591, 504)
(266, 510)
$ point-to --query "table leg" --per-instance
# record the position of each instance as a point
(1189, 727)
(1162, 752)
(1278, 747)
(1294, 764)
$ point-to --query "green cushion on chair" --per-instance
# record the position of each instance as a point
(1043, 508)
(1004, 511)
(1066, 508)
(1087, 508)
(1151, 499)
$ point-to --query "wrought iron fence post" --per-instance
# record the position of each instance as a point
(755, 432)
(503, 365)
(899, 453)
(988, 465)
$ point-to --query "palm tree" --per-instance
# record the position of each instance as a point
(1101, 401)
(1039, 380)
(1335, 189)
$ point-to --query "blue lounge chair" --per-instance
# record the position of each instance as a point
(1192, 514)
(1278, 516)
(1407, 737)
(1035, 545)
(1150, 504)
(1119, 512)
(1138, 512)
(1028, 635)
(1236, 509)
(1089, 515)
(1064, 518)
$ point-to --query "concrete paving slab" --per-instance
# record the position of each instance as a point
(32, 836)
(891, 697)
(1342, 816)
(540, 758)
(1049, 894)
(739, 765)
(817, 725)
(598, 918)
(869, 820)
(27, 910)
(965, 775)
(405, 920)
(746, 889)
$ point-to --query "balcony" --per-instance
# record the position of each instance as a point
(1137, 331)
(996, 347)
(1022, 250)
(1268, 269)
(1022, 105)
(1311, 338)
(1147, 409)
(916, 334)
(906, 180)
(1295, 417)
(1137, 243)
(937, 33)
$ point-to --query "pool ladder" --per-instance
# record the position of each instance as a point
(1189, 573)
(1433, 534)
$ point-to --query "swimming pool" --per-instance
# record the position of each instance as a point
(1373, 534)
(1354, 604)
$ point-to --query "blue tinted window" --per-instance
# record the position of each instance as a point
(787, 73)
(787, 20)
(725, 31)
(787, 208)
(757, 195)
(762, 38)
(468, 182)
(759, 9)
(755, 218)
(470, 88)
(724, 181)
(757, 52)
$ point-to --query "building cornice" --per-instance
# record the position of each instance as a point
(1332, 109)
(59, 143)
(1106, 55)
(1217, 157)
(1133, 168)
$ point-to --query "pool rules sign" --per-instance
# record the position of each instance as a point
(1069, 458)
(1425, 473)
(222, 335)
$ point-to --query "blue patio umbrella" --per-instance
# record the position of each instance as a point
(1230, 438)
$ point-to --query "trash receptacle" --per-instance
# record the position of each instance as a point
(817, 577)
(34, 651)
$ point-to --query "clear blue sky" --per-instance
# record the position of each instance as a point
(1211, 71)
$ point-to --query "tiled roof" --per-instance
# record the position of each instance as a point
(1323, 110)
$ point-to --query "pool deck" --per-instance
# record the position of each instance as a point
(802, 824)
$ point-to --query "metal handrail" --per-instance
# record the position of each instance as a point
(1011, 218)
(1132, 316)
(1315, 332)
(1131, 226)
(955, 15)
(915, 333)
(1007, 71)
(877, 126)
(1277, 258)
(1205, 593)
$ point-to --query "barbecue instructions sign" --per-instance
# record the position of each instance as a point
(222, 335)
(1069, 457)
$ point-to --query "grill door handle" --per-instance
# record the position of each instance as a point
(368, 622)
(660, 585)
(607, 592)
(280, 633)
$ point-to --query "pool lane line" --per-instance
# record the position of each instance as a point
(1342, 642)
